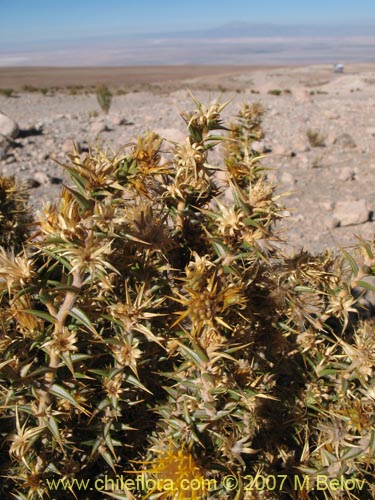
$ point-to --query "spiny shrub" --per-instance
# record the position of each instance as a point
(30, 88)
(151, 332)
(6, 92)
(104, 97)
(15, 218)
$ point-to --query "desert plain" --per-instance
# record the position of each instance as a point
(327, 184)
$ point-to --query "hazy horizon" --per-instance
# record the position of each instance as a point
(122, 33)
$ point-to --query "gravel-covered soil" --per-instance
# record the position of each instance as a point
(331, 187)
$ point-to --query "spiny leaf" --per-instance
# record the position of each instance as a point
(62, 393)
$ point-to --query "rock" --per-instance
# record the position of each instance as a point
(328, 206)
(42, 178)
(370, 131)
(120, 121)
(10, 159)
(345, 141)
(37, 129)
(32, 183)
(3, 154)
(330, 222)
(42, 156)
(346, 174)
(4, 142)
(98, 127)
(351, 212)
(8, 127)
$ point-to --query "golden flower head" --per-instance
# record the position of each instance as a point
(175, 474)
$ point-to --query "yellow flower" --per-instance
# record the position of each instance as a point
(204, 306)
(174, 475)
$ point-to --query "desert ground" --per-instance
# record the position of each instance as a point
(329, 185)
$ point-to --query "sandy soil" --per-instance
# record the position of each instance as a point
(18, 77)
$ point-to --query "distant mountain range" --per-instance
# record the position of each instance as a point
(244, 29)
(235, 42)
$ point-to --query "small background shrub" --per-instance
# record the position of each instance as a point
(316, 138)
(6, 92)
(104, 97)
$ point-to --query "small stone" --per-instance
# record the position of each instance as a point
(351, 212)
(328, 206)
(119, 121)
(3, 154)
(10, 159)
(345, 141)
(98, 127)
(32, 183)
(42, 156)
(42, 178)
(330, 222)
(8, 127)
(5, 142)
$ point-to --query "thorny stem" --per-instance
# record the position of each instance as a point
(207, 397)
(69, 301)
(180, 218)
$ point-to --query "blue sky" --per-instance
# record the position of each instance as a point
(41, 20)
